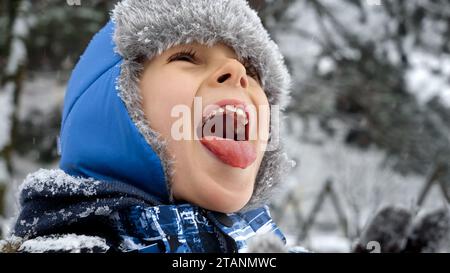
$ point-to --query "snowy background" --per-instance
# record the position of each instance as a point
(368, 125)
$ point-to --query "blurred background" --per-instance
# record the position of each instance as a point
(368, 124)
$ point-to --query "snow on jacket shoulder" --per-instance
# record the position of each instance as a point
(70, 243)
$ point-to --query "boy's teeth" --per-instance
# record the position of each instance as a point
(228, 108)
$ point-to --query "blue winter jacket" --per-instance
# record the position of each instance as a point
(111, 193)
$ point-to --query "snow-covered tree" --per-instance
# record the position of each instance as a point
(40, 42)
(371, 98)
(11, 76)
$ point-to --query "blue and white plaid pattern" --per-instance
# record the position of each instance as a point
(247, 225)
(187, 228)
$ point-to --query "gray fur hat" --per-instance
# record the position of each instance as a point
(146, 28)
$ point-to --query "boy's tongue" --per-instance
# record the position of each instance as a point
(234, 153)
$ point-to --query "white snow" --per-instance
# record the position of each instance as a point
(43, 93)
(305, 42)
(105, 210)
(32, 224)
(71, 243)
(128, 244)
(326, 65)
(423, 79)
(17, 56)
(363, 181)
(25, 166)
(20, 31)
(4, 176)
(87, 212)
(6, 111)
(56, 180)
(329, 243)
(65, 214)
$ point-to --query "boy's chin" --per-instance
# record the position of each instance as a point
(216, 195)
(228, 202)
(224, 206)
(228, 193)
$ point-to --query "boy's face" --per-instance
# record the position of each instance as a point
(215, 170)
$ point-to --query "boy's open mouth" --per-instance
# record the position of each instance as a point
(225, 132)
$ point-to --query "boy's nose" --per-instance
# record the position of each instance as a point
(232, 73)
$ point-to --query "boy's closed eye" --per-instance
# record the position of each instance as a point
(190, 55)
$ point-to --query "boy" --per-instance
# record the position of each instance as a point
(127, 181)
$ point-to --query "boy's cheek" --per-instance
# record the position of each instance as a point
(165, 109)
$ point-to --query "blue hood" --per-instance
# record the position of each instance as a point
(98, 139)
